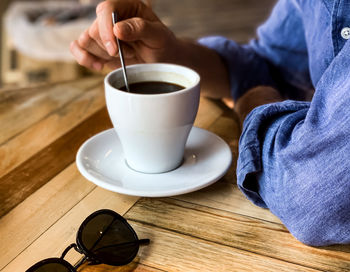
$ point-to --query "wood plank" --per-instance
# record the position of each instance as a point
(241, 232)
(43, 166)
(51, 127)
(62, 233)
(36, 171)
(171, 251)
(208, 112)
(168, 251)
(21, 108)
(228, 129)
(225, 194)
(40, 210)
(133, 266)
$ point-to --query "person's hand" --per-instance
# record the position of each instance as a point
(144, 37)
(255, 97)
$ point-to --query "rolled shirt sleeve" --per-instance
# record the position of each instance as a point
(293, 155)
(246, 68)
(294, 159)
(277, 57)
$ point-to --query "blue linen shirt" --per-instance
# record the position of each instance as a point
(294, 155)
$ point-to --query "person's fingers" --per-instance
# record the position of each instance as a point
(132, 8)
(125, 9)
(128, 50)
(94, 34)
(84, 58)
(90, 45)
(117, 64)
(152, 34)
(105, 26)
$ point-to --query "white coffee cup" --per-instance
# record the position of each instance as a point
(153, 128)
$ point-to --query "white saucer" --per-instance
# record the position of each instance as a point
(207, 158)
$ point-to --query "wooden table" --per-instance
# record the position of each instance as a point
(43, 197)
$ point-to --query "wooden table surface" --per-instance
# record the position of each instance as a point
(44, 199)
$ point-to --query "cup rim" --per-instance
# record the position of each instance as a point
(196, 81)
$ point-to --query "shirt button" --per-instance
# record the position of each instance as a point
(345, 33)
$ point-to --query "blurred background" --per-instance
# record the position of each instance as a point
(35, 34)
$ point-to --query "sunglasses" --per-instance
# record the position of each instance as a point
(104, 237)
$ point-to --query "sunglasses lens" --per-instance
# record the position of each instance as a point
(109, 239)
(51, 265)
(52, 268)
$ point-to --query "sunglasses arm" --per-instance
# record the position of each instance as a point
(81, 261)
(144, 241)
(64, 253)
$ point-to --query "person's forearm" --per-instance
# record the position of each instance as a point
(210, 66)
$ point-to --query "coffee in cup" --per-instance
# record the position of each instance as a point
(153, 121)
(153, 87)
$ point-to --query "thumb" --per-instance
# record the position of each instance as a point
(153, 33)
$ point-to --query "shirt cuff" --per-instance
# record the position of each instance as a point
(260, 129)
(246, 69)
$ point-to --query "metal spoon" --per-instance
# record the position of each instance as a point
(115, 19)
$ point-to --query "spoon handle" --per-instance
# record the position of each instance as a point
(115, 20)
